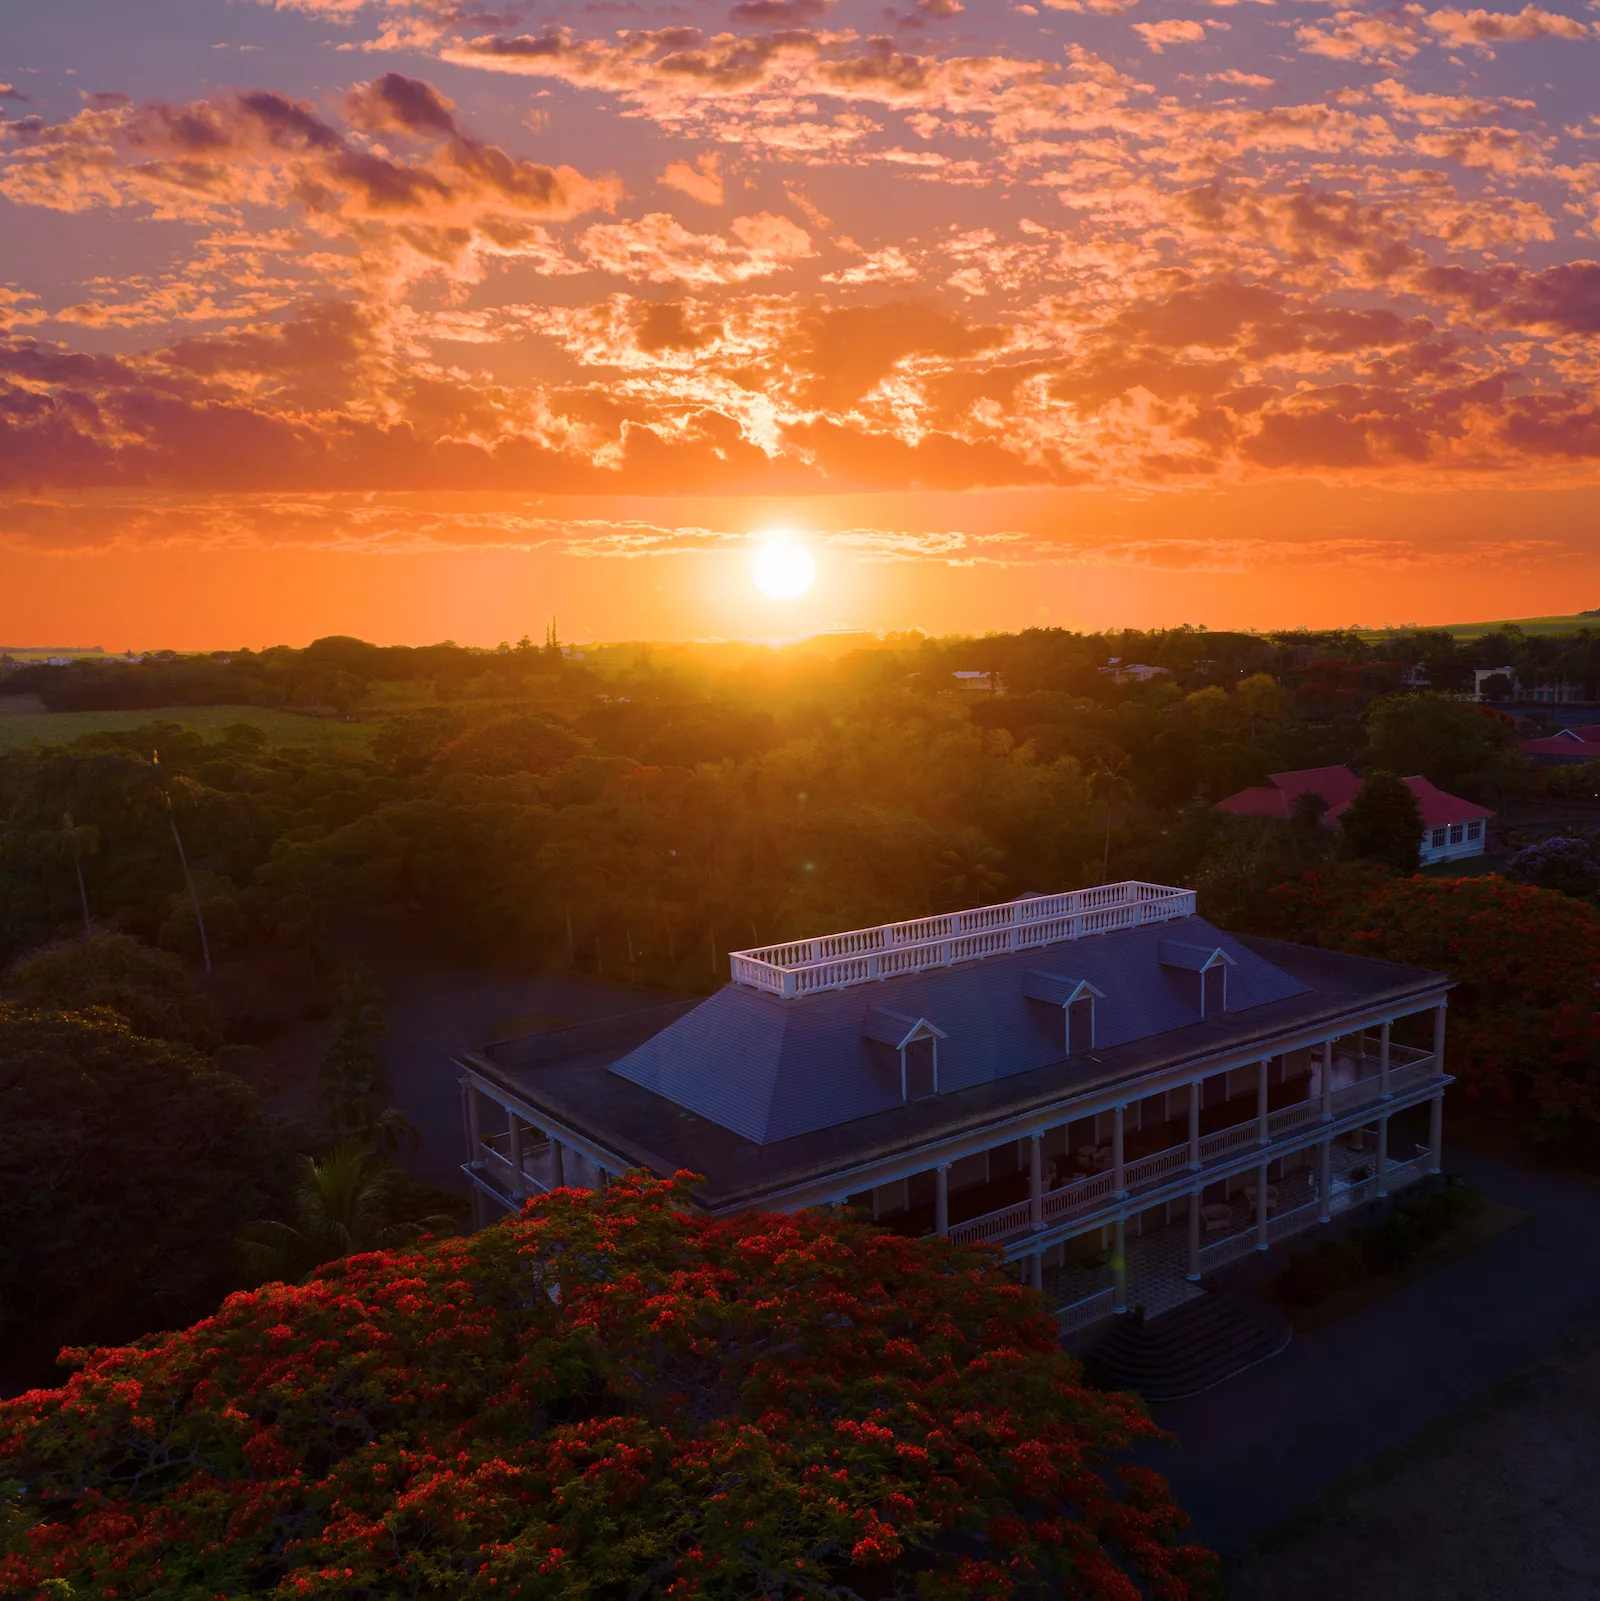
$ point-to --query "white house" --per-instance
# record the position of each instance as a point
(1118, 1096)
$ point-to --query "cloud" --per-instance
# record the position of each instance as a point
(397, 104)
(657, 248)
(1484, 29)
(1157, 35)
(701, 182)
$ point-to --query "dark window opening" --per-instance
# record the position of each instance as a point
(1214, 996)
(921, 1078)
(1080, 1025)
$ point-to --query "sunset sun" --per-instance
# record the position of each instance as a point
(782, 568)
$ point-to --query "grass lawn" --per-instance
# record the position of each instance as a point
(282, 728)
(1529, 625)
(1495, 1504)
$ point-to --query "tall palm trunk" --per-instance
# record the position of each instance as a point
(83, 896)
(194, 898)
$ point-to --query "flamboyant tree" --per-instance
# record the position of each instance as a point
(608, 1396)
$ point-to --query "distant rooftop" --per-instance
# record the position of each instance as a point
(866, 955)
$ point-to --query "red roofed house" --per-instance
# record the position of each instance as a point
(1452, 827)
(1566, 745)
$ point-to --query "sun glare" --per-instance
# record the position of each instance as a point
(782, 568)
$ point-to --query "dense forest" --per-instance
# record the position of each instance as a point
(169, 901)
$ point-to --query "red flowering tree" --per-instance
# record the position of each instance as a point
(1523, 1018)
(608, 1396)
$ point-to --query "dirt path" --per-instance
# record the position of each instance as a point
(1496, 1504)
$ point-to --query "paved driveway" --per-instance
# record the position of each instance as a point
(1253, 1450)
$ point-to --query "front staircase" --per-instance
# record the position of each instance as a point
(1194, 1347)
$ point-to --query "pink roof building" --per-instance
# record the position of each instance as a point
(1452, 827)
(1580, 744)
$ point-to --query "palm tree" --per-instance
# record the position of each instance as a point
(1107, 783)
(75, 841)
(187, 787)
(344, 1204)
(971, 874)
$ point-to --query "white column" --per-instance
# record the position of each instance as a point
(1435, 1130)
(1261, 1207)
(1118, 1175)
(1324, 1181)
(1438, 1037)
(1036, 1182)
(477, 1208)
(1327, 1081)
(1194, 1123)
(1193, 1275)
(474, 1126)
(519, 1185)
(558, 1166)
(1263, 1132)
(1383, 1062)
(941, 1200)
(1383, 1157)
(1036, 1270)
(1119, 1267)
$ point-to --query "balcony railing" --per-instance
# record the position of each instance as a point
(866, 955)
(1091, 1309)
(1087, 1195)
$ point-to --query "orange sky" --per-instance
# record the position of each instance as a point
(392, 317)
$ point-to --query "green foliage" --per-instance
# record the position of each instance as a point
(1384, 823)
(1393, 1243)
(149, 990)
(348, 1200)
(126, 1165)
(352, 1085)
(1462, 747)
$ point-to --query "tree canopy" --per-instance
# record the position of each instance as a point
(606, 1396)
(1384, 823)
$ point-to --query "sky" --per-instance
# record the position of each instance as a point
(416, 320)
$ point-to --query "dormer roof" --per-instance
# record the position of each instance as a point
(1055, 989)
(1195, 958)
(897, 1029)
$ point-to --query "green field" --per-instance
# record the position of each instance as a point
(1529, 625)
(282, 728)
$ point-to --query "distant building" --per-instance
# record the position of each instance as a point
(981, 683)
(1451, 827)
(1116, 1095)
(1569, 745)
(1121, 672)
(1561, 693)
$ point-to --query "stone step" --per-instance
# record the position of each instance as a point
(1192, 1348)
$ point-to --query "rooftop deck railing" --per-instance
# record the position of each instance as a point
(866, 955)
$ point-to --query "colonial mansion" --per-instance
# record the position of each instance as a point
(1117, 1095)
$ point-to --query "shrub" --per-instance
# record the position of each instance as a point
(1562, 863)
(605, 1397)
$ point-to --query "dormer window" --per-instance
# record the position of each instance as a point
(1209, 966)
(915, 1041)
(1075, 997)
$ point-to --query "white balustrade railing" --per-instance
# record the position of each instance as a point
(1153, 1167)
(1294, 1221)
(992, 1226)
(1091, 1309)
(1228, 1139)
(1293, 1117)
(1074, 1197)
(865, 955)
(1228, 1250)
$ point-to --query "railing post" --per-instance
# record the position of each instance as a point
(474, 1125)
(941, 1199)
(1435, 1130)
(1119, 1174)
(1438, 1037)
(1036, 1270)
(1036, 1181)
(1383, 1062)
(1325, 1182)
(558, 1164)
(1263, 1132)
(519, 1185)
(1119, 1267)
(1193, 1275)
(1194, 1124)
(1383, 1157)
(791, 981)
(1327, 1081)
(1261, 1207)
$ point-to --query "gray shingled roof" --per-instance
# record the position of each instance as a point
(770, 1069)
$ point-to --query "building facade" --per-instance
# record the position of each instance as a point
(1118, 1096)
